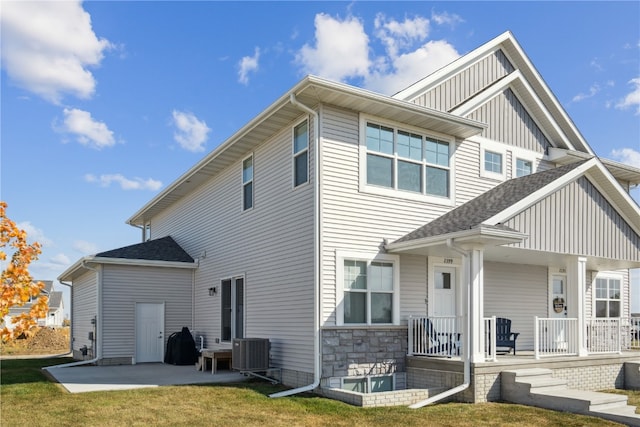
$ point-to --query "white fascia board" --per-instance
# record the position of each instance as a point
(486, 233)
(144, 262)
(508, 83)
(65, 275)
(453, 67)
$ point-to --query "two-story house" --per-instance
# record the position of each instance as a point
(356, 231)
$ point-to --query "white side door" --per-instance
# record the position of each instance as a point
(444, 289)
(149, 332)
(558, 310)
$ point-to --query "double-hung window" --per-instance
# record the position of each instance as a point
(369, 291)
(301, 154)
(247, 183)
(608, 302)
(407, 161)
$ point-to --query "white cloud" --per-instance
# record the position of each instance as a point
(446, 18)
(87, 130)
(627, 155)
(34, 234)
(60, 259)
(47, 47)
(248, 64)
(125, 183)
(398, 35)
(633, 98)
(191, 133)
(593, 91)
(408, 68)
(341, 50)
(84, 247)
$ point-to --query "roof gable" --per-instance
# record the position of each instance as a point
(523, 79)
(163, 249)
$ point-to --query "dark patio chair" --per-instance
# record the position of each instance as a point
(441, 343)
(504, 336)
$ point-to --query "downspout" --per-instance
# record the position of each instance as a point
(96, 355)
(316, 253)
(467, 340)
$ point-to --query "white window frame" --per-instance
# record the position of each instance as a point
(367, 257)
(496, 148)
(295, 154)
(524, 159)
(365, 187)
(251, 181)
(607, 276)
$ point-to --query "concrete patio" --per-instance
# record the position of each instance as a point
(81, 379)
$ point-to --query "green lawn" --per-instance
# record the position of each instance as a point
(28, 398)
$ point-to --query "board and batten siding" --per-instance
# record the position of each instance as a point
(517, 292)
(467, 83)
(124, 286)
(271, 246)
(85, 307)
(509, 122)
(578, 220)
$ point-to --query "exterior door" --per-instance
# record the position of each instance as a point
(232, 308)
(558, 310)
(444, 288)
(149, 332)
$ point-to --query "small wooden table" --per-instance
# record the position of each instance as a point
(215, 356)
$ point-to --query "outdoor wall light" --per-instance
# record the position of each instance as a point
(213, 291)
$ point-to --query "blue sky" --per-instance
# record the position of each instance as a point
(103, 104)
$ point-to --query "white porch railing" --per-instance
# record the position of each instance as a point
(490, 339)
(435, 336)
(555, 337)
(613, 334)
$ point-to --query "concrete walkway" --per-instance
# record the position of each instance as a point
(80, 379)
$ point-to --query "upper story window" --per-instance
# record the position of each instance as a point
(523, 167)
(407, 161)
(301, 154)
(247, 183)
(493, 162)
(608, 301)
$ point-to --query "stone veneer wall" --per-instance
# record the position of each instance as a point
(363, 351)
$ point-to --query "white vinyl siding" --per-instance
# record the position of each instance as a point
(517, 292)
(85, 307)
(124, 286)
(271, 246)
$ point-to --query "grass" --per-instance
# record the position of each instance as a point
(28, 398)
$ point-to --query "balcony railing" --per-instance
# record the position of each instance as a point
(435, 336)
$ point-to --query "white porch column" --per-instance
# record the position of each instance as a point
(476, 304)
(576, 290)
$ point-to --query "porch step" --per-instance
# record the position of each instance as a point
(537, 387)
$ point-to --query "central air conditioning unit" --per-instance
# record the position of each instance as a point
(250, 354)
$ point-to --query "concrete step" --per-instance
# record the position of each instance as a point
(579, 400)
(625, 415)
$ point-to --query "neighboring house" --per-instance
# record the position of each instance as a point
(55, 314)
(339, 222)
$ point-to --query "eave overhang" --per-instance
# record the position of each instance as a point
(620, 171)
(480, 236)
(90, 262)
(311, 91)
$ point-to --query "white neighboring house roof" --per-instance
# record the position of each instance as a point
(310, 91)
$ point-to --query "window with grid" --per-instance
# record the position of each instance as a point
(301, 154)
(608, 301)
(368, 292)
(493, 162)
(247, 183)
(407, 161)
(523, 167)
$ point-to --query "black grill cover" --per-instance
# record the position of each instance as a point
(181, 348)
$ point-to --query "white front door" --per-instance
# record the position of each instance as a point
(149, 332)
(444, 291)
(558, 310)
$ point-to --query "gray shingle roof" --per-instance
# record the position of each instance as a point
(163, 249)
(476, 211)
(55, 299)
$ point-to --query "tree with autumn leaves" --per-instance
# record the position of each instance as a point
(18, 286)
